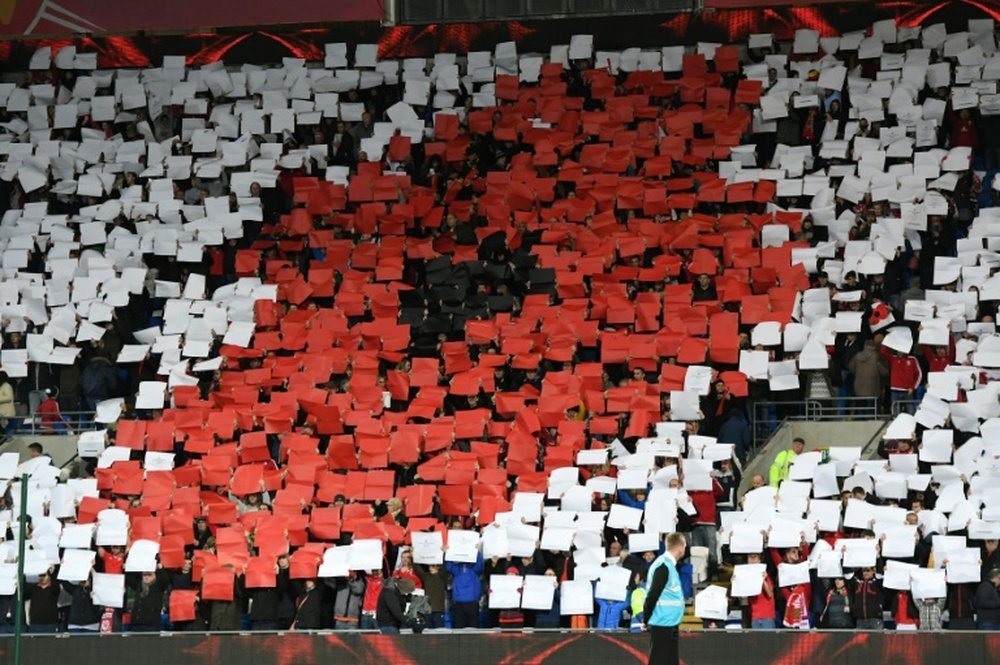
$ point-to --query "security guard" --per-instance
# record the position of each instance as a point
(664, 606)
(783, 462)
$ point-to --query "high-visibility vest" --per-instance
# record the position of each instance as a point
(669, 608)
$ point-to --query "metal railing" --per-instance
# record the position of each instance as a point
(73, 422)
(904, 405)
(766, 417)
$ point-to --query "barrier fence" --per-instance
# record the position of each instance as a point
(510, 648)
(73, 422)
(766, 416)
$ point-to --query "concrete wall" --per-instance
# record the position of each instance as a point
(817, 434)
(61, 448)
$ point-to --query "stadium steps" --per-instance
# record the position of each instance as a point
(817, 434)
(60, 447)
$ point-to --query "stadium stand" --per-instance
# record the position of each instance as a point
(488, 327)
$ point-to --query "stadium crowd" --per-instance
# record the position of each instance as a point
(454, 342)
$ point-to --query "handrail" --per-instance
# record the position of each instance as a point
(72, 422)
(764, 418)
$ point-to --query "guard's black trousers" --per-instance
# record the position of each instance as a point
(664, 645)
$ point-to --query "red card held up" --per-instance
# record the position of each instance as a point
(217, 583)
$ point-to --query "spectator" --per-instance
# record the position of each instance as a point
(146, 608)
(796, 597)
(636, 599)
(905, 377)
(904, 610)
(49, 417)
(930, 610)
(84, 616)
(390, 614)
(870, 371)
(837, 606)
(434, 580)
(8, 413)
(763, 613)
(265, 602)
(705, 529)
(961, 610)
(369, 603)
(866, 601)
(466, 592)
(987, 601)
(350, 593)
(43, 616)
(309, 607)
(98, 382)
(736, 430)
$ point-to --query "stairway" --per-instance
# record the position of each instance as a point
(723, 579)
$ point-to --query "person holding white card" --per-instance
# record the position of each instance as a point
(43, 614)
(866, 601)
(763, 613)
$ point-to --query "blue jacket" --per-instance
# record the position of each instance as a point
(466, 585)
(627, 499)
(736, 430)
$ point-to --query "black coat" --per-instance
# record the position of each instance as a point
(866, 599)
(987, 603)
(309, 613)
(44, 604)
(264, 602)
(82, 611)
(147, 604)
(390, 608)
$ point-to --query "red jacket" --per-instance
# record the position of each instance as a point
(706, 503)
(936, 363)
(762, 607)
(904, 373)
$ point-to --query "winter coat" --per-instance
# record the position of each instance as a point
(466, 587)
(7, 400)
(347, 603)
(390, 608)
(987, 602)
(435, 586)
(870, 371)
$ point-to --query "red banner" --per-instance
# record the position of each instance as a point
(23, 18)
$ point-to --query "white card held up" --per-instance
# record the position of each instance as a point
(109, 590)
(643, 542)
(711, 603)
(427, 548)
(624, 517)
(538, 592)
(76, 565)
(748, 579)
(366, 554)
(463, 546)
(336, 562)
(151, 395)
(142, 557)
(505, 591)
(613, 583)
(791, 574)
(576, 597)
(928, 584)
(746, 539)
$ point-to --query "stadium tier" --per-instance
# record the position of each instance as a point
(453, 342)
